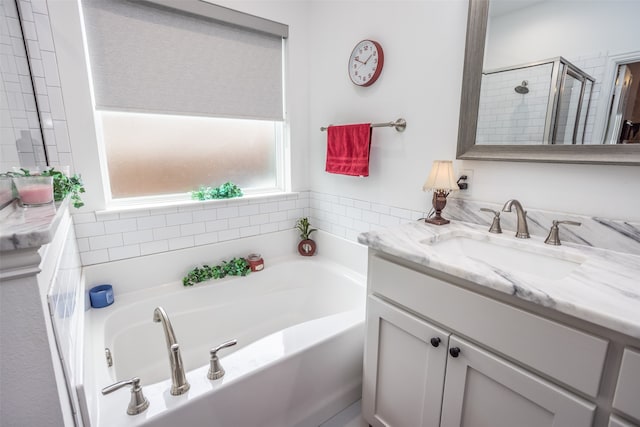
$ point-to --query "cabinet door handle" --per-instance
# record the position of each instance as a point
(454, 351)
(435, 341)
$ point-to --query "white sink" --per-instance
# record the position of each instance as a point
(509, 257)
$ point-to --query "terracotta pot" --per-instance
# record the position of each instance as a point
(307, 247)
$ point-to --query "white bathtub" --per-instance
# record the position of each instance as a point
(299, 325)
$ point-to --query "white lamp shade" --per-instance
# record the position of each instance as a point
(441, 177)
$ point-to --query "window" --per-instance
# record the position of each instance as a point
(186, 97)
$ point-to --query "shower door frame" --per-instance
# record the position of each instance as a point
(562, 68)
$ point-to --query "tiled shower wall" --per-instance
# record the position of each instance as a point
(31, 27)
(20, 136)
(507, 117)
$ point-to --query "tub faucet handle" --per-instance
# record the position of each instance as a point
(554, 234)
(216, 371)
(495, 225)
(138, 402)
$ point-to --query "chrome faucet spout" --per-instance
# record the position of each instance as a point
(179, 383)
(522, 231)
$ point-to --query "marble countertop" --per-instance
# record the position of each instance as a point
(32, 227)
(604, 289)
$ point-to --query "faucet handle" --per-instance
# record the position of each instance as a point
(495, 225)
(138, 402)
(554, 234)
(216, 370)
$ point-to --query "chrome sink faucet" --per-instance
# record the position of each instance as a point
(522, 228)
(179, 383)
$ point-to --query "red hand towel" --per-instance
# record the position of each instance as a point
(348, 149)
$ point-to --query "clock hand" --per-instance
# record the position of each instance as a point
(360, 61)
(367, 60)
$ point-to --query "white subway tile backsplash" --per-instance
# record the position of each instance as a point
(166, 232)
(205, 215)
(179, 218)
(259, 219)
(269, 207)
(106, 241)
(181, 242)
(191, 229)
(268, 228)
(123, 252)
(228, 212)
(89, 229)
(277, 216)
(108, 236)
(221, 224)
(153, 221)
(81, 218)
(383, 209)
(141, 236)
(231, 234)
(206, 238)
(120, 226)
(249, 231)
(240, 221)
(248, 210)
(154, 247)
(94, 257)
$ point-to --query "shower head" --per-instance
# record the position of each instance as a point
(522, 89)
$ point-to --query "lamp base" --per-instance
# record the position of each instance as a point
(439, 202)
(437, 220)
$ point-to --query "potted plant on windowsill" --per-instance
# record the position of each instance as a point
(306, 247)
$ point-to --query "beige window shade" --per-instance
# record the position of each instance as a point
(150, 58)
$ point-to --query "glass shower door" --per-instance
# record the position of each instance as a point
(570, 117)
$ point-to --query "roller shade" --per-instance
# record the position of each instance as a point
(150, 58)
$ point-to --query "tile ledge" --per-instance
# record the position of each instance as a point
(158, 204)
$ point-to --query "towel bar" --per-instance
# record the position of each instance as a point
(400, 125)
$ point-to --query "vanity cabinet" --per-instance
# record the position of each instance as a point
(437, 354)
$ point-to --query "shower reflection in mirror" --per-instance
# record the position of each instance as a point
(550, 104)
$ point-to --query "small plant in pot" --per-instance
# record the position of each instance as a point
(306, 247)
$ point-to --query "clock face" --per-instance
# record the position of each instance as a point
(365, 63)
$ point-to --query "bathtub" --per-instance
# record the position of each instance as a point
(300, 328)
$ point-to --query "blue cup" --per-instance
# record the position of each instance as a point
(101, 296)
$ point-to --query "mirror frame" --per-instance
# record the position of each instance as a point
(628, 154)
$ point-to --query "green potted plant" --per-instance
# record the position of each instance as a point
(306, 247)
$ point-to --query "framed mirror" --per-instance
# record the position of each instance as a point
(548, 81)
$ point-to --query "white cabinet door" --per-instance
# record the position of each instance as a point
(627, 397)
(482, 389)
(403, 368)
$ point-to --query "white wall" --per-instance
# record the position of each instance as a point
(421, 81)
(423, 43)
(424, 47)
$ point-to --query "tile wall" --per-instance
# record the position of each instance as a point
(506, 116)
(348, 217)
(104, 237)
(30, 21)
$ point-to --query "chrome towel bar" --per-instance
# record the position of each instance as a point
(399, 124)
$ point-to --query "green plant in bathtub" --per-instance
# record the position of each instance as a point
(233, 267)
(227, 190)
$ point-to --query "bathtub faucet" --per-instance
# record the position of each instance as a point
(179, 383)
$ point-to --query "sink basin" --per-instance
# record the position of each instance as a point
(509, 257)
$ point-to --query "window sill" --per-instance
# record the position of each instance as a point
(154, 204)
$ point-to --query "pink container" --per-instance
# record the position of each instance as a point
(34, 190)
